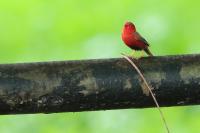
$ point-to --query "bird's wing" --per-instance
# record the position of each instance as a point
(139, 37)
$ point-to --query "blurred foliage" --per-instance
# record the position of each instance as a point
(44, 30)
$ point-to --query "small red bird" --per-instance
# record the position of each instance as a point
(133, 39)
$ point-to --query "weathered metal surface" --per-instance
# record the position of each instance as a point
(70, 86)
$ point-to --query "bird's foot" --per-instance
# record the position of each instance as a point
(130, 57)
(133, 55)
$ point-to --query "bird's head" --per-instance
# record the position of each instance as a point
(129, 27)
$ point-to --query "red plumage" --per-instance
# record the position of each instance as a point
(133, 39)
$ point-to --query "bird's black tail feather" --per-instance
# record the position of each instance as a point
(148, 52)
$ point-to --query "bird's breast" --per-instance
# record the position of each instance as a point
(133, 42)
(128, 39)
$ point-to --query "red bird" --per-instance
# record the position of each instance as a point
(133, 39)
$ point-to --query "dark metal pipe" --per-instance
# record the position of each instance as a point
(71, 86)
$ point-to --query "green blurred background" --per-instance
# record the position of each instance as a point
(46, 30)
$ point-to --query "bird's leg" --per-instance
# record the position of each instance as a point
(142, 54)
(132, 53)
(131, 58)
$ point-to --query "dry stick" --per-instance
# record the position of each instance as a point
(145, 82)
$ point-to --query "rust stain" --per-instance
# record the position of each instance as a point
(155, 77)
(144, 88)
(89, 82)
(42, 83)
(189, 72)
(127, 85)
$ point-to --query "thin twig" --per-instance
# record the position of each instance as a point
(145, 82)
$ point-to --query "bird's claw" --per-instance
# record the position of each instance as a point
(130, 57)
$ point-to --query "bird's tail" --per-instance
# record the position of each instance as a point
(148, 52)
